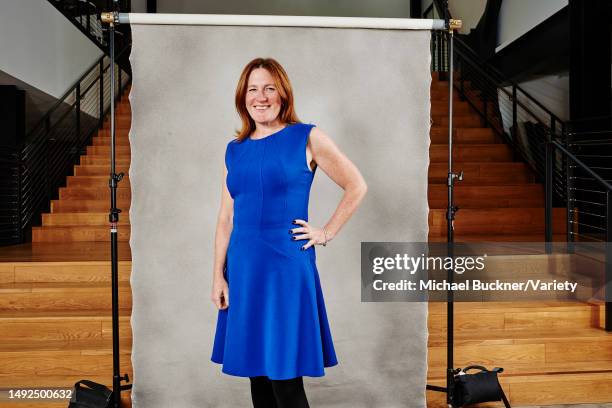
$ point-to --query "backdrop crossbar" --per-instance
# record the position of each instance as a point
(278, 21)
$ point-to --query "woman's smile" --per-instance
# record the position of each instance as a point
(263, 100)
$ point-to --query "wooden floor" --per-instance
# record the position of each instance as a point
(55, 292)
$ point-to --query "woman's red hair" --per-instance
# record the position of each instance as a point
(287, 113)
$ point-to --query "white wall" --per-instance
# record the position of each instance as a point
(41, 47)
(349, 8)
(516, 17)
(552, 91)
(469, 11)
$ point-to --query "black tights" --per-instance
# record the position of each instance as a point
(268, 393)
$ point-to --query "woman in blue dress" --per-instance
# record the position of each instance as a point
(275, 329)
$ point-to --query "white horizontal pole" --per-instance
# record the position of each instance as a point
(282, 21)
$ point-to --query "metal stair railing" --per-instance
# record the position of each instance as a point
(39, 165)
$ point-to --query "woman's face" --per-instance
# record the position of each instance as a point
(263, 101)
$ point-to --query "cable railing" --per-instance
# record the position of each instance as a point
(40, 164)
(85, 15)
(588, 187)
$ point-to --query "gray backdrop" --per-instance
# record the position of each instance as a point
(369, 90)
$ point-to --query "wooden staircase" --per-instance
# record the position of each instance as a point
(81, 212)
(55, 294)
(552, 352)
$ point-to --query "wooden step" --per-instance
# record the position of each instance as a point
(92, 193)
(538, 390)
(105, 150)
(441, 107)
(68, 271)
(471, 153)
(96, 206)
(441, 94)
(121, 160)
(121, 164)
(535, 356)
(79, 218)
(484, 173)
(76, 362)
(471, 121)
(61, 252)
(497, 238)
(124, 108)
(61, 296)
(466, 196)
(106, 141)
(507, 221)
(439, 135)
(122, 120)
(53, 329)
(119, 133)
(94, 181)
(523, 315)
(78, 234)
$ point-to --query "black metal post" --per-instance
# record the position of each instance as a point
(514, 131)
(47, 150)
(484, 111)
(78, 112)
(101, 113)
(88, 19)
(548, 196)
(19, 193)
(461, 71)
(569, 191)
(440, 47)
(608, 277)
(151, 6)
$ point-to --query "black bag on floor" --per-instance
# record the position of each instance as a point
(93, 396)
(479, 387)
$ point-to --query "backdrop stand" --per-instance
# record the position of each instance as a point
(447, 24)
(451, 210)
(113, 219)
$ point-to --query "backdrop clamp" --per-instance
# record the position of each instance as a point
(110, 17)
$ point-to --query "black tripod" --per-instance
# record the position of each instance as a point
(113, 219)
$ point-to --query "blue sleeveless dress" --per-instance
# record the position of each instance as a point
(276, 324)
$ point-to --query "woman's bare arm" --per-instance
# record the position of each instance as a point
(220, 294)
(344, 173)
